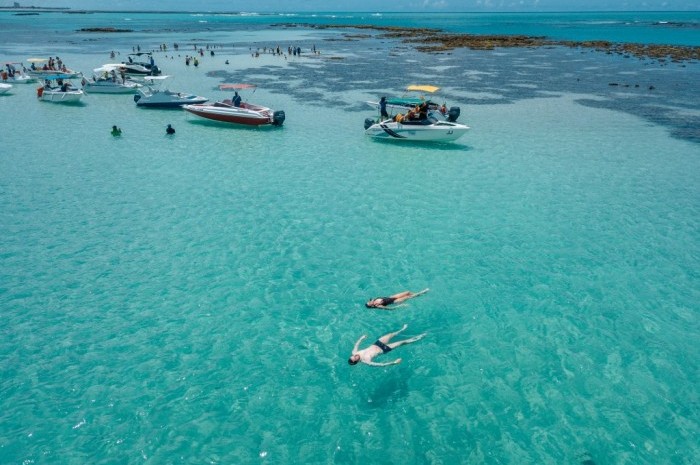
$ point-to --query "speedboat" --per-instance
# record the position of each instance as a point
(248, 113)
(150, 96)
(5, 87)
(109, 82)
(43, 71)
(142, 68)
(243, 113)
(60, 91)
(102, 85)
(414, 97)
(431, 128)
(11, 75)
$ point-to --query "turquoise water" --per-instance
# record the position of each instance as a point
(194, 299)
(667, 27)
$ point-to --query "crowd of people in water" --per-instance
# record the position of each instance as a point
(384, 344)
(201, 50)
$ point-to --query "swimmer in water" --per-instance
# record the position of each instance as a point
(384, 302)
(383, 345)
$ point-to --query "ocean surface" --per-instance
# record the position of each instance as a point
(194, 299)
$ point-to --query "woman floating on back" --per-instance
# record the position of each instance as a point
(384, 302)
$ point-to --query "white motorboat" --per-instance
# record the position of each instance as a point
(11, 75)
(415, 96)
(39, 71)
(430, 128)
(141, 68)
(5, 88)
(59, 92)
(236, 111)
(21, 78)
(151, 96)
(248, 113)
(109, 85)
(108, 81)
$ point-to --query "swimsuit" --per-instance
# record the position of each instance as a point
(387, 300)
(385, 348)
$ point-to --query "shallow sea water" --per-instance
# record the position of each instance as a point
(194, 299)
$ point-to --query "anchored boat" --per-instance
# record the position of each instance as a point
(237, 111)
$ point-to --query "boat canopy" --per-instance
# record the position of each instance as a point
(423, 88)
(236, 86)
(37, 60)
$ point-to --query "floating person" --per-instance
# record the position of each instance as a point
(170, 130)
(116, 131)
(384, 302)
(381, 346)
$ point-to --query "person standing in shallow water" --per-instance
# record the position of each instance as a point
(383, 345)
(383, 302)
(170, 130)
(116, 131)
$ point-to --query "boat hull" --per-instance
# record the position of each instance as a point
(5, 88)
(94, 88)
(72, 96)
(247, 114)
(216, 114)
(155, 104)
(166, 99)
(441, 131)
(47, 73)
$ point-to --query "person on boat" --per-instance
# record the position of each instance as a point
(65, 86)
(116, 131)
(236, 99)
(384, 302)
(382, 108)
(423, 111)
(381, 346)
(170, 130)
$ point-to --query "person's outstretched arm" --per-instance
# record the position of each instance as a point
(386, 364)
(357, 344)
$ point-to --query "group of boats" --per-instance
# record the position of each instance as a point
(412, 117)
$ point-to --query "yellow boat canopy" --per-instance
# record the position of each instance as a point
(418, 88)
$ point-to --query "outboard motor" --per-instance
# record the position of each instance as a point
(137, 97)
(453, 114)
(278, 118)
(368, 122)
